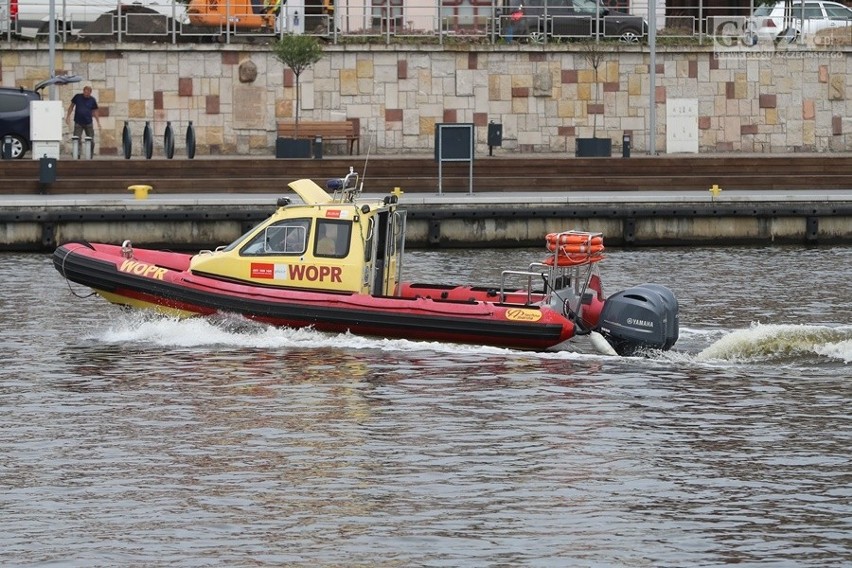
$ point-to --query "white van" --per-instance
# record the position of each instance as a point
(32, 17)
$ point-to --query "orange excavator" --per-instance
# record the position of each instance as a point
(255, 14)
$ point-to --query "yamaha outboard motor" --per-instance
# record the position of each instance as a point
(639, 318)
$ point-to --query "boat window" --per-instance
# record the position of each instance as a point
(332, 238)
(284, 237)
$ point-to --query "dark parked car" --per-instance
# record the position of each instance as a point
(567, 19)
(15, 119)
(15, 113)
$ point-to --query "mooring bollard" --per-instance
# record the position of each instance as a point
(140, 191)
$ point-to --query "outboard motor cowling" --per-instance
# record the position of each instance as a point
(642, 317)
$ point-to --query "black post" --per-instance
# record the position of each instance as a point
(148, 140)
(190, 141)
(625, 145)
(126, 140)
(169, 141)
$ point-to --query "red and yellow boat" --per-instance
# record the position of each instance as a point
(334, 262)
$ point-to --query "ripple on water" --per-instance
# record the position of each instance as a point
(132, 440)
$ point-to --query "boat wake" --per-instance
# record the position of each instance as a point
(780, 343)
(233, 331)
(759, 343)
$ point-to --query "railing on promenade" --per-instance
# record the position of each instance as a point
(401, 21)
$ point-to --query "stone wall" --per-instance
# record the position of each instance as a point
(545, 97)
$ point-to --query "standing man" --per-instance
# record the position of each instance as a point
(85, 108)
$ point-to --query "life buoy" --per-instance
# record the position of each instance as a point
(573, 248)
(573, 239)
(576, 248)
(572, 259)
(574, 243)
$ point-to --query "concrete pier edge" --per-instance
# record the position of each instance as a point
(193, 221)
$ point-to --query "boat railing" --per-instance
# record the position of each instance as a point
(526, 291)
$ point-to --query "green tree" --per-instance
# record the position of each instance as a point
(298, 52)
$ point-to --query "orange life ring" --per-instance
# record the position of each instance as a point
(576, 249)
(572, 260)
(573, 248)
(573, 239)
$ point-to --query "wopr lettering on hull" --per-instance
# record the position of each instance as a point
(313, 273)
(296, 272)
(142, 269)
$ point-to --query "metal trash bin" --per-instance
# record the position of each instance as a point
(495, 136)
(46, 170)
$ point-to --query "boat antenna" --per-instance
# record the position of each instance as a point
(366, 158)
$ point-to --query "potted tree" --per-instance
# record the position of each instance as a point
(298, 52)
(594, 146)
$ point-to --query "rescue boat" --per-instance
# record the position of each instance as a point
(333, 261)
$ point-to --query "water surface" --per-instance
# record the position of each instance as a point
(134, 440)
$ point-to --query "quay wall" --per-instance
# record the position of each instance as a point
(545, 97)
(36, 228)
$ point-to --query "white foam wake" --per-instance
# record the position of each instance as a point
(762, 342)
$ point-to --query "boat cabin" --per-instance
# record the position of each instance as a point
(328, 242)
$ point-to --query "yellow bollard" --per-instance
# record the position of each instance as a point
(715, 190)
(140, 191)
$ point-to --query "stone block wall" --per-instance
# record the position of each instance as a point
(544, 96)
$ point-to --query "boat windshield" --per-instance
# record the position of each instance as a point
(239, 240)
(289, 236)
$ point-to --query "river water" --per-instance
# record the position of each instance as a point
(131, 440)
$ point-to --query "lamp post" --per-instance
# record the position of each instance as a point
(652, 78)
(51, 43)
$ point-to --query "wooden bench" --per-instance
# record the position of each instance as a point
(347, 130)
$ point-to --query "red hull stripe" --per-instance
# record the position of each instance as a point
(454, 321)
